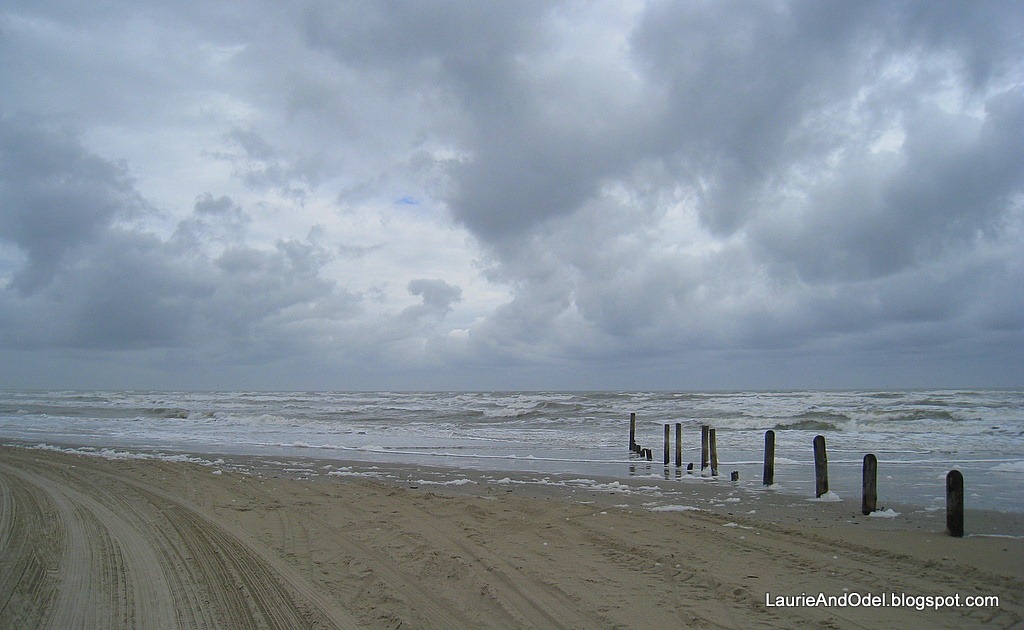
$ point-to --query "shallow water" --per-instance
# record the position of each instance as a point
(917, 436)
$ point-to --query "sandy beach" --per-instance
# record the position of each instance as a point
(88, 542)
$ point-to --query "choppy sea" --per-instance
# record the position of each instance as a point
(917, 436)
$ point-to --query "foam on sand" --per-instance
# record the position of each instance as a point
(828, 497)
(889, 513)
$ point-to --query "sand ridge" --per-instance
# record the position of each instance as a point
(89, 542)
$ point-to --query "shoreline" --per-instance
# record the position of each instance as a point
(918, 436)
(258, 540)
(672, 487)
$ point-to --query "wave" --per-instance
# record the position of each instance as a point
(807, 425)
(170, 412)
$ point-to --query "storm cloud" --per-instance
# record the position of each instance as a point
(512, 195)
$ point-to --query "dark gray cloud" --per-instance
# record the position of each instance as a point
(91, 280)
(699, 194)
(437, 294)
(54, 197)
(261, 167)
(772, 120)
(534, 151)
(955, 183)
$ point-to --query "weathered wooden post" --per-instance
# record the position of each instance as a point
(820, 466)
(648, 454)
(704, 447)
(668, 441)
(769, 458)
(735, 476)
(713, 447)
(869, 483)
(679, 445)
(632, 434)
(955, 503)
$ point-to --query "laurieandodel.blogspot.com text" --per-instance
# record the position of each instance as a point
(881, 600)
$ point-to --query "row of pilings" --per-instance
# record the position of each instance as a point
(869, 477)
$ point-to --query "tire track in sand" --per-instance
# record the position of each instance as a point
(130, 556)
(30, 543)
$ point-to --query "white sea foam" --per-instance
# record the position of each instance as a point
(828, 497)
(351, 473)
(786, 461)
(109, 453)
(1010, 467)
(590, 484)
(889, 513)
(451, 482)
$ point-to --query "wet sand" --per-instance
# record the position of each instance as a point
(88, 542)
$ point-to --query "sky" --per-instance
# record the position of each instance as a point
(466, 195)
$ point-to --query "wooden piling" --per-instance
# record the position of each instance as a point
(735, 475)
(679, 445)
(648, 455)
(713, 447)
(632, 434)
(869, 484)
(704, 447)
(769, 458)
(955, 503)
(668, 442)
(820, 467)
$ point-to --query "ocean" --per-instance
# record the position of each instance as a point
(917, 436)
